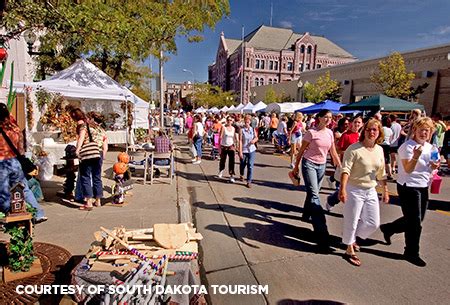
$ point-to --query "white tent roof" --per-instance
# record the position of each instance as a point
(200, 110)
(214, 110)
(286, 107)
(238, 108)
(224, 109)
(248, 108)
(84, 81)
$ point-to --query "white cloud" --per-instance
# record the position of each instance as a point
(442, 30)
(286, 24)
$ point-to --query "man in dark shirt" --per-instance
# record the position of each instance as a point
(162, 146)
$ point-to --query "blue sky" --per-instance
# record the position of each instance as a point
(367, 29)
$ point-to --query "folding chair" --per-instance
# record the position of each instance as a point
(169, 167)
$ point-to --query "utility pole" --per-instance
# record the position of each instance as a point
(161, 88)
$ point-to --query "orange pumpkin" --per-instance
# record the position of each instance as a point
(120, 168)
(123, 157)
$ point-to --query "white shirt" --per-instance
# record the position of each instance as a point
(396, 128)
(387, 135)
(420, 176)
(228, 137)
(281, 127)
(200, 129)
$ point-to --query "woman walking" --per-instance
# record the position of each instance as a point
(296, 135)
(414, 169)
(247, 149)
(316, 144)
(199, 131)
(362, 166)
(90, 160)
(227, 148)
(11, 173)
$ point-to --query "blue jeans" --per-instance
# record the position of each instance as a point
(91, 178)
(333, 199)
(198, 147)
(282, 140)
(313, 174)
(10, 174)
(247, 161)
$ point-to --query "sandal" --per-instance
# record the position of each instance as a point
(86, 207)
(356, 247)
(352, 259)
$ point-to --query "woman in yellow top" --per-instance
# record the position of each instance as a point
(362, 166)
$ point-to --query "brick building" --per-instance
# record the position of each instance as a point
(271, 55)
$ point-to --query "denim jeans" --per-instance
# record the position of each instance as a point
(91, 178)
(282, 140)
(313, 174)
(333, 199)
(10, 174)
(247, 161)
(198, 147)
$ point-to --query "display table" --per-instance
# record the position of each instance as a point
(186, 273)
(116, 137)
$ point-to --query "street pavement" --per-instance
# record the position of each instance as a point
(256, 237)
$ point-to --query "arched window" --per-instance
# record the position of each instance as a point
(309, 49)
(270, 81)
(256, 82)
(302, 48)
(261, 81)
(257, 64)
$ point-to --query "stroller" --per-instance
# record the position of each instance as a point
(216, 146)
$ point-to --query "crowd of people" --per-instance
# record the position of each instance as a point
(365, 152)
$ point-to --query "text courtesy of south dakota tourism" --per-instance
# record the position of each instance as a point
(142, 289)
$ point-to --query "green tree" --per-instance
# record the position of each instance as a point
(209, 96)
(110, 33)
(392, 79)
(324, 88)
(271, 96)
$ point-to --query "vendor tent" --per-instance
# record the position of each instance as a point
(259, 107)
(248, 108)
(224, 109)
(286, 107)
(214, 110)
(200, 110)
(382, 102)
(327, 104)
(238, 109)
(94, 89)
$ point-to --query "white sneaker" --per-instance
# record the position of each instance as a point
(193, 160)
(232, 180)
(220, 175)
(197, 162)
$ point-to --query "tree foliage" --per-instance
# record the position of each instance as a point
(271, 96)
(324, 88)
(113, 33)
(392, 79)
(209, 96)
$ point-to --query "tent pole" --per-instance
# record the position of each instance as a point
(126, 124)
(161, 88)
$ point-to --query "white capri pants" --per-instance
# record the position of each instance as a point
(361, 213)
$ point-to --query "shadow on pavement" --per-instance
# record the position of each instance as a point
(270, 204)
(432, 204)
(308, 302)
(269, 165)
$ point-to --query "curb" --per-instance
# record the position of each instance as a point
(183, 204)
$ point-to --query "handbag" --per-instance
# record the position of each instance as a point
(26, 164)
(89, 150)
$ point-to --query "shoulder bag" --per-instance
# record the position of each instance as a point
(27, 165)
(89, 150)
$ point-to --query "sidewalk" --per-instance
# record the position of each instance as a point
(73, 229)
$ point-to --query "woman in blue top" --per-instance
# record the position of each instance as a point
(247, 149)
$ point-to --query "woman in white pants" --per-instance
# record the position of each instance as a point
(362, 166)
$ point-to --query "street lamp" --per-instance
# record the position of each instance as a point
(254, 96)
(299, 90)
(30, 38)
(193, 81)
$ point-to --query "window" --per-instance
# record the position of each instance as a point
(302, 48)
(257, 64)
(270, 81)
(275, 80)
(271, 65)
(276, 65)
(307, 67)
(246, 83)
(262, 64)
(300, 67)
(309, 49)
(289, 66)
(17, 195)
(248, 63)
(261, 81)
(256, 82)
(318, 66)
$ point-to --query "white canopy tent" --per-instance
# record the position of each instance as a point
(286, 107)
(200, 110)
(214, 110)
(238, 109)
(94, 89)
(248, 108)
(224, 109)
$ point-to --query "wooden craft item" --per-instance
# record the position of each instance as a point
(35, 269)
(191, 246)
(170, 236)
(106, 267)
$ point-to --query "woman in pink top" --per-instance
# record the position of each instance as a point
(316, 144)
